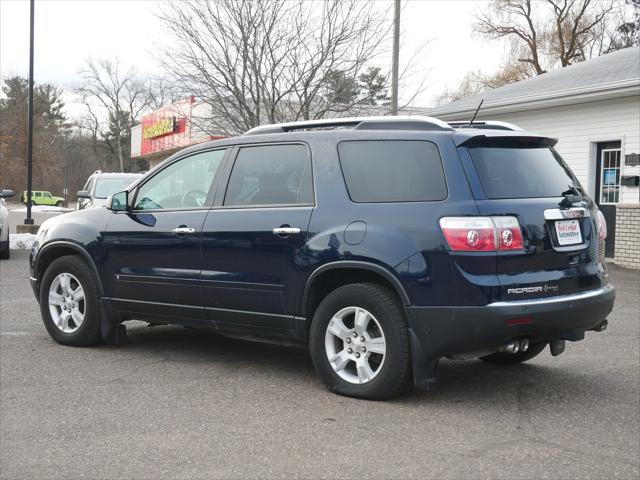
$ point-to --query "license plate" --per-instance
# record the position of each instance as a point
(568, 232)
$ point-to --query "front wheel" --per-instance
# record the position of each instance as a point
(58, 204)
(503, 358)
(69, 302)
(359, 342)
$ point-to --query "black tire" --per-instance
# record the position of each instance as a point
(395, 373)
(5, 252)
(58, 204)
(88, 332)
(502, 358)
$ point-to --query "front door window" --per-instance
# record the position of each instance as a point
(183, 184)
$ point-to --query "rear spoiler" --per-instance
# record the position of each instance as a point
(469, 137)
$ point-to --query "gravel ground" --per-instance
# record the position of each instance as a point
(175, 403)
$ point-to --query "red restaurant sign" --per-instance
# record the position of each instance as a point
(167, 128)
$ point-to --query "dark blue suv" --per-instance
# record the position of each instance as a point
(385, 244)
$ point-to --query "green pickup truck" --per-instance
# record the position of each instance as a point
(40, 197)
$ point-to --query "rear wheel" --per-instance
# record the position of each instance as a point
(502, 358)
(69, 302)
(5, 253)
(359, 342)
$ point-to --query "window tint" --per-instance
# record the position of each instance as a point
(508, 171)
(184, 184)
(271, 175)
(392, 171)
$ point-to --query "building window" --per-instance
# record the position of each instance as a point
(610, 176)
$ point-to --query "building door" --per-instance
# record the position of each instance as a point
(608, 174)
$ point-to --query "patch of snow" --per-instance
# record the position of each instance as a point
(21, 241)
(43, 209)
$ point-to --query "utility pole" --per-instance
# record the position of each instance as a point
(29, 220)
(396, 58)
(66, 160)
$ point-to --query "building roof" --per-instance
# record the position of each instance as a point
(614, 74)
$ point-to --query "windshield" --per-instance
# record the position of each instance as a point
(109, 186)
(511, 171)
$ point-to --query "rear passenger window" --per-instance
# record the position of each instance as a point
(270, 175)
(392, 171)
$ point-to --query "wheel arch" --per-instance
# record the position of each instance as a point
(332, 275)
(54, 250)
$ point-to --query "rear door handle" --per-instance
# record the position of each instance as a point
(285, 230)
(184, 230)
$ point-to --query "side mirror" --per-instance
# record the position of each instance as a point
(83, 194)
(6, 193)
(118, 202)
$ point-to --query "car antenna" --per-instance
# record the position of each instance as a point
(474, 115)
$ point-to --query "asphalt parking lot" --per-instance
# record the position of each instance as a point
(175, 403)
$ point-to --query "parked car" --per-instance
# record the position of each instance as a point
(4, 224)
(385, 244)
(41, 197)
(100, 186)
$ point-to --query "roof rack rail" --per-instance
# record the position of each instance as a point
(97, 172)
(486, 125)
(357, 123)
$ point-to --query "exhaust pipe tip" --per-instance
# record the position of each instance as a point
(602, 327)
(524, 345)
(512, 347)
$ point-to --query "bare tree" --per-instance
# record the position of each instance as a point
(552, 33)
(114, 98)
(546, 34)
(265, 61)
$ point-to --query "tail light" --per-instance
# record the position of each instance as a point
(482, 234)
(601, 223)
(508, 233)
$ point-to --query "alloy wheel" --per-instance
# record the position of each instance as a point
(67, 303)
(355, 345)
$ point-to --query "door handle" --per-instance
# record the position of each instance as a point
(184, 230)
(286, 230)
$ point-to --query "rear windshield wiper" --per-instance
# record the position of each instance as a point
(571, 196)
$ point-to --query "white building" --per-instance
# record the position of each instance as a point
(593, 108)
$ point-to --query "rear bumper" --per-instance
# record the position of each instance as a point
(444, 331)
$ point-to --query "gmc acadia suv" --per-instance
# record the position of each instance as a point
(385, 244)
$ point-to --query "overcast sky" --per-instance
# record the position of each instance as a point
(67, 32)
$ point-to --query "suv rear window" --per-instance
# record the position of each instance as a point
(512, 171)
(392, 171)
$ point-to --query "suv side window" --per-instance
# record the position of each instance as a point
(271, 175)
(183, 184)
(392, 171)
(37, 194)
(89, 185)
